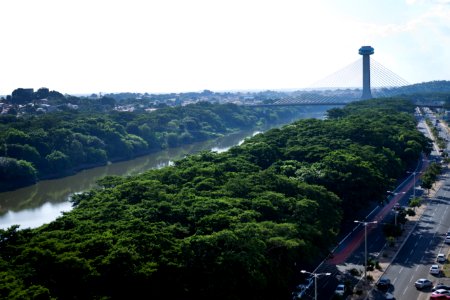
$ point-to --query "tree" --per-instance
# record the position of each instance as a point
(414, 202)
(42, 93)
(58, 162)
(22, 96)
(14, 173)
(427, 182)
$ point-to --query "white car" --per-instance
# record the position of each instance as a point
(423, 283)
(441, 292)
(447, 239)
(440, 258)
(434, 269)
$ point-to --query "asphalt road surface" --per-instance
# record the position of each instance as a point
(420, 250)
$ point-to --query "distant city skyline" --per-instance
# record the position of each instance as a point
(164, 46)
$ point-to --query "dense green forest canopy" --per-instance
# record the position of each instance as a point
(232, 225)
(56, 144)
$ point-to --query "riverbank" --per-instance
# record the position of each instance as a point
(37, 204)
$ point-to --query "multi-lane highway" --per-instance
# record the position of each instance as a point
(350, 253)
(418, 252)
(425, 242)
(421, 249)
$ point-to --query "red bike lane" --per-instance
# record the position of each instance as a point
(350, 243)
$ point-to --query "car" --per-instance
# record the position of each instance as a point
(423, 283)
(441, 258)
(383, 283)
(440, 286)
(435, 269)
(340, 289)
(447, 239)
(441, 292)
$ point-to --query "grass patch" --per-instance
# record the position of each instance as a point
(446, 267)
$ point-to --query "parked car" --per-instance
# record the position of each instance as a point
(435, 269)
(383, 283)
(441, 292)
(441, 258)
(423, 283)
(447, 239)
(440, 286)
(340, 289)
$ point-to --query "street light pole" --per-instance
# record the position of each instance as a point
(365, 223)
(315, 280)
(414, 178)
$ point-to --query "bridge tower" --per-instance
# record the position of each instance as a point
(366, 51)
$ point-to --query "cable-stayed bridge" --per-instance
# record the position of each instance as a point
(362, 79)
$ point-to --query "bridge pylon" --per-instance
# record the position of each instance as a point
(366, 51)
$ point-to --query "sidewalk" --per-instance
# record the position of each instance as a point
(364, 290)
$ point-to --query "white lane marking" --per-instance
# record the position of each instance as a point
(404, 291)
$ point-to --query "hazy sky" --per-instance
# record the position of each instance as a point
(160, 46)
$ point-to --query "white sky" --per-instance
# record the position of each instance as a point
(162, 46)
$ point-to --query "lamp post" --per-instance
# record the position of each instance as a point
(414, 178)
(315, 280)
(365, 223)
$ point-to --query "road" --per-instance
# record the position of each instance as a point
(417, 253)
(420, 250)
(350, 253)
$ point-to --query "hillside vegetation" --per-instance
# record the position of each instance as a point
(232, 225)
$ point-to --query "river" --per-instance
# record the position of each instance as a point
(43, 202)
